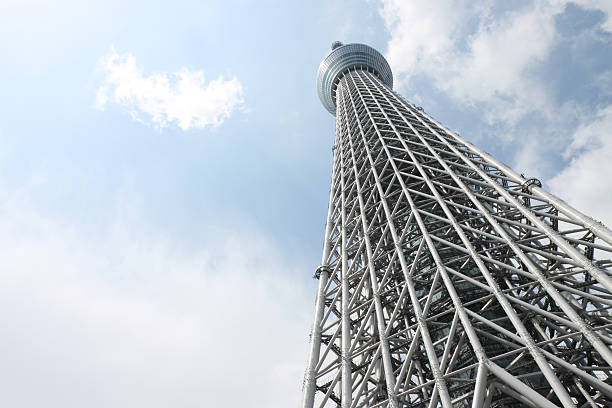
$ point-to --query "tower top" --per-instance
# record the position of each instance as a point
(343, 58)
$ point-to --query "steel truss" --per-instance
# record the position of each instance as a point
(448, 279)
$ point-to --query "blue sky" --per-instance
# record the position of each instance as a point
(159, 236)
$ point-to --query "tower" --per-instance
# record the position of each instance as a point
(447, 279)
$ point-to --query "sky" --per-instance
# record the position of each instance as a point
(165, 169)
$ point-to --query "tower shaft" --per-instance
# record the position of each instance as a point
(447, 279)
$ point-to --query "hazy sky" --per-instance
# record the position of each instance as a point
(165, 167)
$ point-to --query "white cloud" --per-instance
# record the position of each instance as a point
(585, 182)
(129, 320)
(161, 98)
(421, 32)
(471, 55)
(478, 56)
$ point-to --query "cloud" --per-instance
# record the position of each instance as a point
(127, 319)
(604, 6)
(162, 98)
(478, 55)
(584, 183)
(473, 54)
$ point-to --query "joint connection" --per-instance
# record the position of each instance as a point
(322, 268)
(530, 182)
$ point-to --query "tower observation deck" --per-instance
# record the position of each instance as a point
(447, 279)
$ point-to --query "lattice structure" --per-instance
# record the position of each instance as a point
(447, 278)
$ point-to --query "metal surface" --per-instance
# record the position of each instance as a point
(447, 279)
(341, 59)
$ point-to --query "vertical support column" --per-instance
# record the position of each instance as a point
(345, 297)
(315, 341)
(323, 274)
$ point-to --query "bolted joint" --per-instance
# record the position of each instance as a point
(530, 182)
(322, 268)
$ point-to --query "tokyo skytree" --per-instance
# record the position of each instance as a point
(447, 279)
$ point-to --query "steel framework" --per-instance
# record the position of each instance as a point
(447, 279)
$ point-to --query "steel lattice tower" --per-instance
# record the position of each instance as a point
(447, 279)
